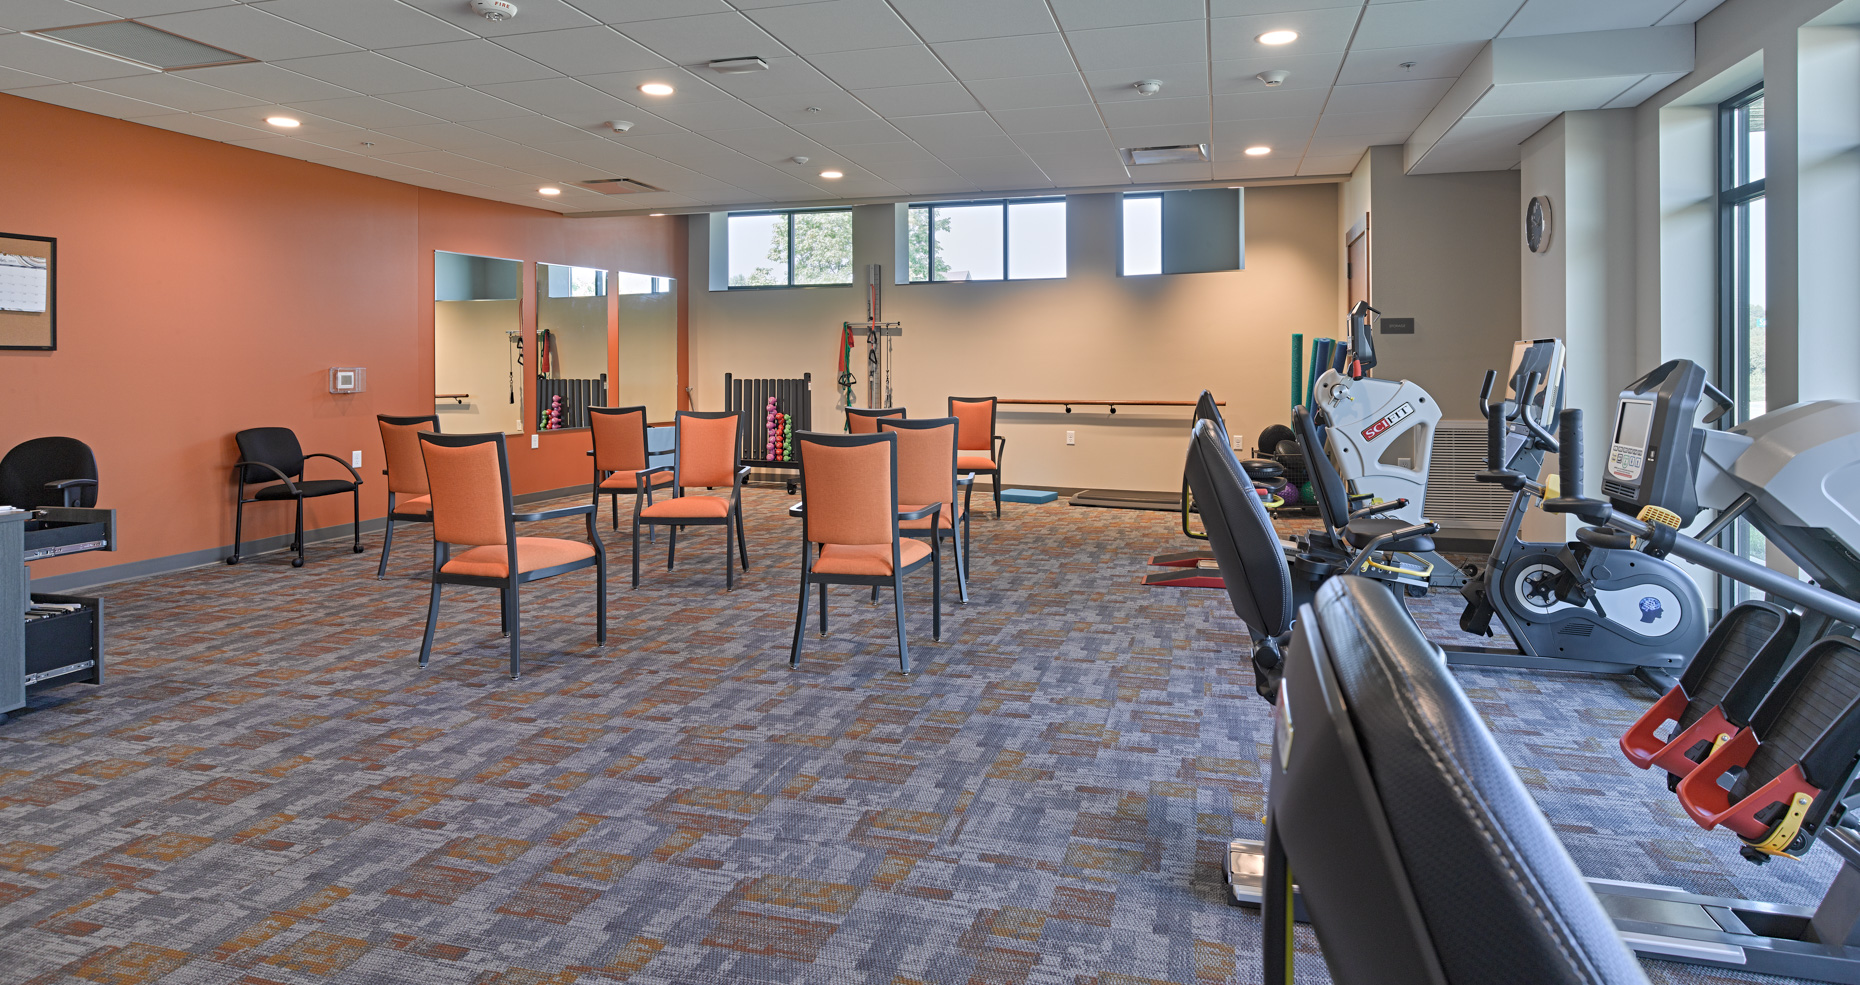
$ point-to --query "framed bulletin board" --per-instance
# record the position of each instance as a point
(28, 292)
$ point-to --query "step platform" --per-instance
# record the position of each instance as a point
(1129, 499)
(1035, 496)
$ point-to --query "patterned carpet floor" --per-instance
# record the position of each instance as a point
(268, 790)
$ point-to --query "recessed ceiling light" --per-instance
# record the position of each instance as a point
(656, 89)
(655, 215)
(832, 174)
(548, 190)
(282, 121)
(1259, 151)
(1277, 37)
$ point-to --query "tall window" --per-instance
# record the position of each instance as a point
(1742, 273)
(1143, 234)
(999, 240)
(791, 249)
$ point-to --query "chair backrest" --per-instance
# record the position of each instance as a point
(1420, 854)
(1739, 662)
(864, 420)
(850, 485)
(926, 460)
(706, 450)
(276, 447)
(400, 447)
(619, 438)
(31, 464)
(977, 431)
(468, 477)
(1208, 409)
(1333, 499)
(1259, 584)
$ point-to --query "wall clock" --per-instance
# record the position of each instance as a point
(1537, 224)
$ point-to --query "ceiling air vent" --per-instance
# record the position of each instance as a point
(142, 45)
(616, 186)
(738, 66)
(1179, 154)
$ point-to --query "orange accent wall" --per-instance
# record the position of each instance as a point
(204, 288)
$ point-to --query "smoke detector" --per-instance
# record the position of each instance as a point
(1148, 87)
(798, 160)
(1274, 77)
(619, 126)
(494, 10)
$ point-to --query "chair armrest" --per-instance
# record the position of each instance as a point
(1378, 508)
(557, 513)
(921, 512)
(966, 480)
(798, 510)
(357, 476)
(238, 473)
(70, 483)
(741, 474)
(590, 453)
(1000, 446)
(642, 473)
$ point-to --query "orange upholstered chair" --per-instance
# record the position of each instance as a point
(620, 454)
(864, 420)
(978, 447)
(927, 474)
(406, 475)
(849, 528)
(705, 452)
(468, 479)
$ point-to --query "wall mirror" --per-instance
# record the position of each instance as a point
(648, 344)
(571, 344)
(478, 357)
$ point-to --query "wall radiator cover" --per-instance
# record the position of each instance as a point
(1452, 493)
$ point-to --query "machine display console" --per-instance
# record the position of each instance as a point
(1627, 453)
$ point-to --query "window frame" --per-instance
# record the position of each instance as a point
(1007, 230)
(1733, 348)
(789, 214)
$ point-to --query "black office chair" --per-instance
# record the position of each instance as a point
(46, 472)
(1245, 545)
(1420, 856)
(267, 454)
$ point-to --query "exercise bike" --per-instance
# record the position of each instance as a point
(1570, 606)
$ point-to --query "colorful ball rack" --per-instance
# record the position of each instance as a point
(779, 446)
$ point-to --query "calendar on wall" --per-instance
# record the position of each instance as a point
(24, 282)
(28, 292)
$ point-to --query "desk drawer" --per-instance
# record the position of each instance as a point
(65, 648)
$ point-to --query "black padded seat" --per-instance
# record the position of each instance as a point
(309, 488)
(1365, 529)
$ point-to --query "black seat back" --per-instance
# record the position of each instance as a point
(1333, 499)
(276, 447)
(1239, 534)
(1739, 662)
(1420, 855)
(1207, 409)
(1811, 719)
(31, 464)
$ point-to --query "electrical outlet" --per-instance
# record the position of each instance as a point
(355, 459)
(535, 441)
(1238, 442)
(1072, 437)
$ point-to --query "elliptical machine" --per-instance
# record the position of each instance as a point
(1571, 606)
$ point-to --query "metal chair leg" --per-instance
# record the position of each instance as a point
(357, 495)
(936, 588)
(874, 594)
(997, 494)
(387, 544)
(729, 557)
(432, 623)
(600, 599)
(299, 562)
(897, 603)
(742, 544)
(516, 635)
(800, 621)
(635, 552)
(962, 565)
(238, 529)
(671, 547)
(823, 610)
(503, 612)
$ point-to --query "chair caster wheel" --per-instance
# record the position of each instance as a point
(359, 548)
(233, 560)
(297, 562)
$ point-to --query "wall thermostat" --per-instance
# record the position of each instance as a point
(348, 379)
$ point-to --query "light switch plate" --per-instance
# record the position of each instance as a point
(1072, 437)
(355, 459)
(535, 441)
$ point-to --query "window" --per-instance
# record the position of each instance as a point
(1742, 274)
(576, 282)
(1185, 231)
(790, 249)
(999, 240)
(1142, 234)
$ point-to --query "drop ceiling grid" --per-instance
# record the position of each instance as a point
(987, 95)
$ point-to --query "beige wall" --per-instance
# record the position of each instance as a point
(1091, 335)
(648, 349)
(580, 327)
(471, 354)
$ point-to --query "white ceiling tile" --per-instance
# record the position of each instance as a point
(255, 116)
(627, 11)
(510, 154)
(1433, 61)
(1422, 22)
(1156, 111)
(366, 23)
(1166, 135)
(149, 8)
(1550, 97)
(705, 38)
(1092, 177)
(1110, 85)
(874, 156)
(958, 135)
(963, 20)
(768, 143)
(1082, 15)
(918, 100)
(1083, 144)
(873, 68)
(365, 71)
(1351, 124)
(370, 166)
(812, 107)
(268, 82)
(1396, 98)
(37, 56)
(786, 74)
(1048, 119)
(936, 186)
(1233, 137)
(1007, 58)
(1016, 165)
(444, 136)
(852, 132)
(891, 170)
(303, 150)
(585, 51)
(471, 62)
(94, 101)
(691, 87)
(1096, 160)
(1143, 173)
(1313, 71)
(597, 155)
(458, 104)
(1539, 17)
(533, 15)
(1241, 8)
(199, 126)
(1270, 105)
(1689, 11)
(1248, 168)
(365, 111)
(1329, 165)
(1032, 93)
(1319, 30)
(13, 79)
(721, 114)
(176, 90)
(34, 15)
(432, 160)
(834, 25)
(534, 130)
(250, 32)
(1111, 47)
(506, 178)
(1344, 145)
(351, 142)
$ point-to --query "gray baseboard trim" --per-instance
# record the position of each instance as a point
(75, 581)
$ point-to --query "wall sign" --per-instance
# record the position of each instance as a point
(1395, 326)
